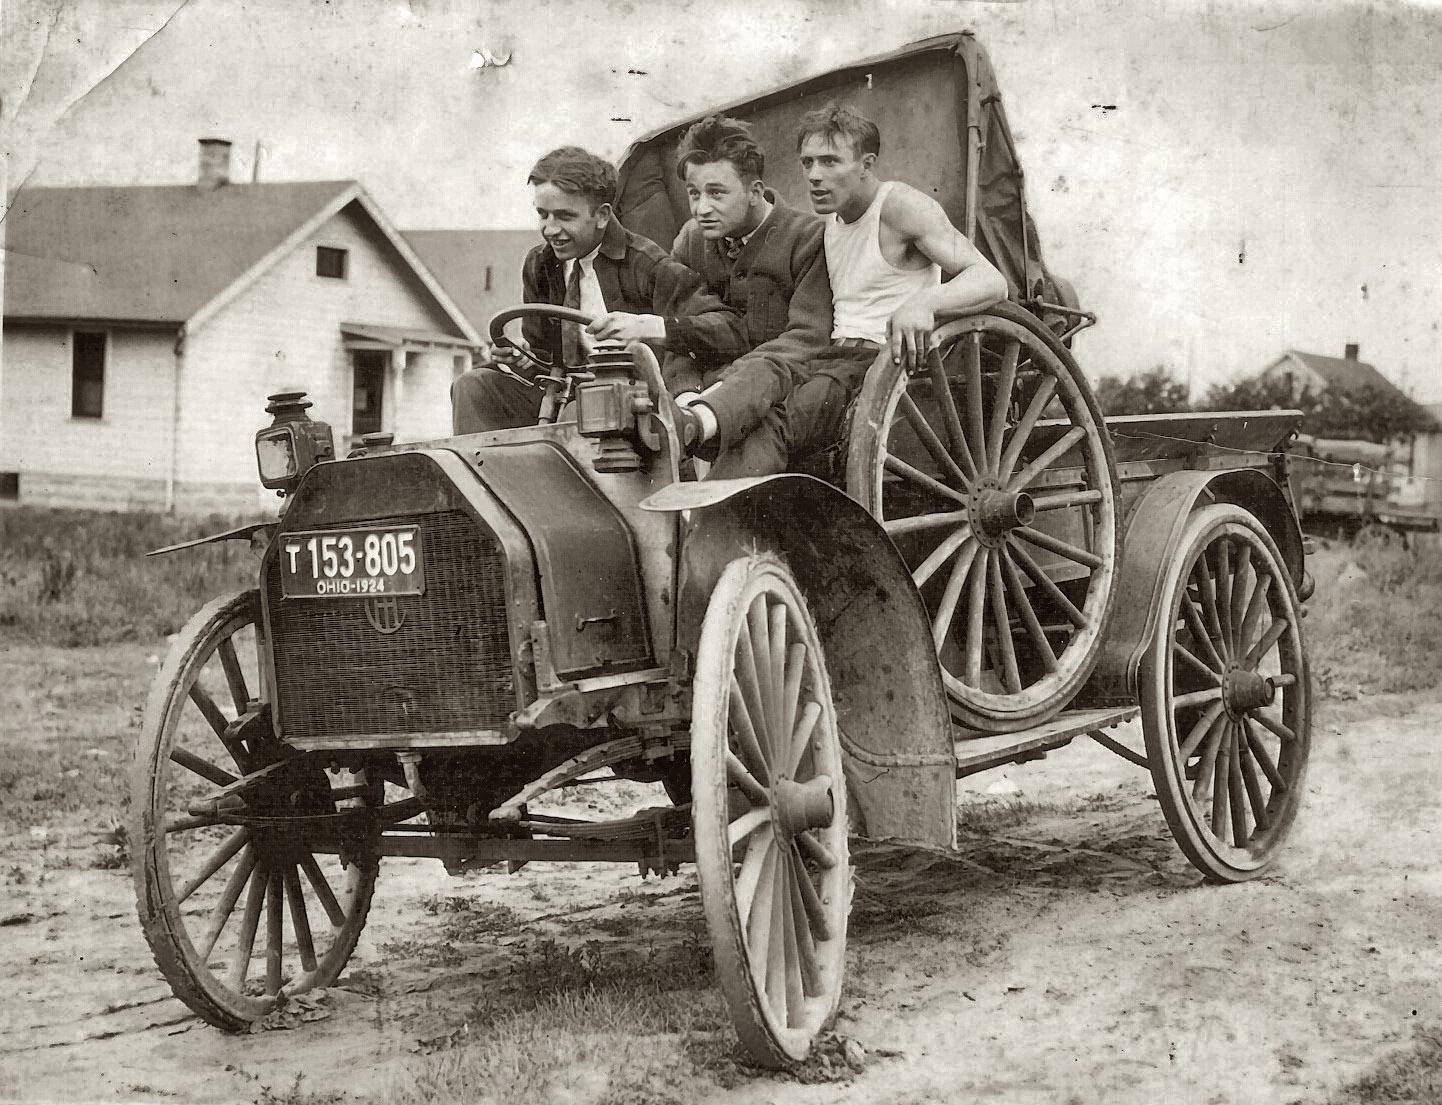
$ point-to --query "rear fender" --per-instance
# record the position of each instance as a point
(890, 702)
(1153, 537)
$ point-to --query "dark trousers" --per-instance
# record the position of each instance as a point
(762, 452)
(483, 399)
(813, 419)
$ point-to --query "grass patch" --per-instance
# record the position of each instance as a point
(296, 1094)
(548, 966)
(80, 577)
(1375, 624)
(986, 817)
(68, 725)
(470, 916)
(632, 1046)
(465, 921)
(601, 1021)
(1410, 1077)
(876, 914)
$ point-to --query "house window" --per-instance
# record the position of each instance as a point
(87, 374)
(488, 278)
(330, 262)
(9, 486)
(459, 363)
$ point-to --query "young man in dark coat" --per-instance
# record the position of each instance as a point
(764, 260)
(589, 261)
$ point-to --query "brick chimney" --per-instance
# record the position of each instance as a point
(214, 164)
(1350, 352)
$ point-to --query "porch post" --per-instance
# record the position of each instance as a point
(397, 389)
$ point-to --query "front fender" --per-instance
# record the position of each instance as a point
(1152, 538)
(246, 532)
(890, 701)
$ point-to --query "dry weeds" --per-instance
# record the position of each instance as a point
(1375, 623)
(77, 577)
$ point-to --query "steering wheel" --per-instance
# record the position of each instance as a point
(553, 379)
(499, 322)
(556, 382)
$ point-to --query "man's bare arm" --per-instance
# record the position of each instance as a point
(970, 283)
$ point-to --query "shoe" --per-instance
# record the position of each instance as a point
(690, 431)
(688, 428)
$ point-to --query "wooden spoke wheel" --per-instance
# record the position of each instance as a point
(1225, 697)
(992, 471)
(769, 811)
(237, 909)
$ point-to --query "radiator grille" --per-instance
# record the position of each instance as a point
(446, 669)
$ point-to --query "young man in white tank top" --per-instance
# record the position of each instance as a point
(895, 263)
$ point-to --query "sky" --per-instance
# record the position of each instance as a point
(1220, 179)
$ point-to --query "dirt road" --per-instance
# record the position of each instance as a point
(1066, 954)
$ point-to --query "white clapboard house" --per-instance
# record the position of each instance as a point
(144, 327)
(481, 269)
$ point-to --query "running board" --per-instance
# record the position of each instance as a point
(981, 752)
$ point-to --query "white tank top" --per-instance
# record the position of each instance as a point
(866, 288)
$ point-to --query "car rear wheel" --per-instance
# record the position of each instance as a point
(1226, 703)
(992, 471)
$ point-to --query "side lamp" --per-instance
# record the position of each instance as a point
(292, 443)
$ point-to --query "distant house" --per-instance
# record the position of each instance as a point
(481, 269)
(1425, 483)
(1409, 468)
(144, 327)
(1320, 373)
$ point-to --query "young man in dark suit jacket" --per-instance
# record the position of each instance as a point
(591, 262)
(765, 261)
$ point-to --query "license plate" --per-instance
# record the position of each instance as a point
(352, 563)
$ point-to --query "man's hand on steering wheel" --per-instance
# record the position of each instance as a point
(513, 353)
(693, 424)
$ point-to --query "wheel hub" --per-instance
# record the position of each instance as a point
(995, 512)
(1244, 691)
(801, 806)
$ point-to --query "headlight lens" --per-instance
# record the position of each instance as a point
(600, 406)
(275, 454)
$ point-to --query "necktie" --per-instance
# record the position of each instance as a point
(733, 248)
(570, 333)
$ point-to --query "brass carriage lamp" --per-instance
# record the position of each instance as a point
(292, 443)
(608, 406)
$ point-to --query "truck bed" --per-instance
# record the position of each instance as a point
(1171, 436)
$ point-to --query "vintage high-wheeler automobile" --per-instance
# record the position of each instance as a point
(443, 633)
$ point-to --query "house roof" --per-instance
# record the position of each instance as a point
(152, 254)
(170, 253)
(1346, 374)
(459, 259)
